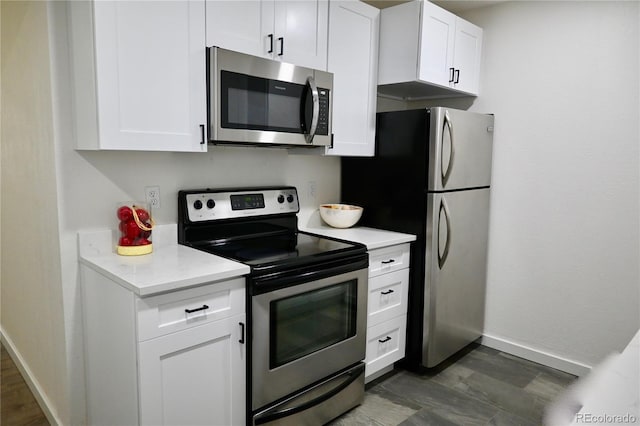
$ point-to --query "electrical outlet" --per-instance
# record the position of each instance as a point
(152, 196)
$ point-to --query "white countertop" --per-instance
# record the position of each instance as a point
(372, 238)
(170, 266)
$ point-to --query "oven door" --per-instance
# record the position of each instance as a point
(306, 332)
(261, 101)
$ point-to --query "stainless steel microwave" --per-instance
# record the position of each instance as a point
(253, 100)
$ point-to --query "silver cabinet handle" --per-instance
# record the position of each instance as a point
(316, 110)
(444, 174)
(443, 208)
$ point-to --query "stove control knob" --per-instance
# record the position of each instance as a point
(290, 198)
(197, 204)
(281, 199)
(210, 203)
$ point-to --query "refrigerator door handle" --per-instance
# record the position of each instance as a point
(445, 253)
(445, 173)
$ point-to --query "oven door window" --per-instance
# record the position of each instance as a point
(308, 322)
(255, 103)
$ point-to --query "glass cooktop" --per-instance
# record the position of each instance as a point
(285, 249)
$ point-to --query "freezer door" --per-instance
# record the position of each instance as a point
(460, 149)
(455, 275)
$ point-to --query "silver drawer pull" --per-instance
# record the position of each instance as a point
(386, 339)
(386, 262)
(202, 308)
(387, 292)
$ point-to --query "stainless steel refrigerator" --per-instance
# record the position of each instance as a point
(431, 177)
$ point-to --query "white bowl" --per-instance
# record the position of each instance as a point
(340, 215)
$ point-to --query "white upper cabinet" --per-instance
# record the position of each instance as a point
(353, 60)
(290, 31)
(139, 78)
(427, 52)
(466, 58)
(437, 42)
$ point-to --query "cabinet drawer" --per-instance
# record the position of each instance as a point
(388, 259)
(387, 296)
(385, 344)
(179, 310)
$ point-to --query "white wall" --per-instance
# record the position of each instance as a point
(563, 81)
(91, 184)
(32, 318)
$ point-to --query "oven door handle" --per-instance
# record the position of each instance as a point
(267, 417)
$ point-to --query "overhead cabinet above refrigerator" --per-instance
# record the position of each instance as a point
(427, 52)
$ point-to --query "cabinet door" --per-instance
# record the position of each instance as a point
(301, 28)
(468, 49)
(150, 75)
(353, 60)
(242, 26)
(195, 377)
(437, 44)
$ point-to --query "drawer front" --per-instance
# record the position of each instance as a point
(387, 296)
(388, 259)
(179, 310)
(385, 344)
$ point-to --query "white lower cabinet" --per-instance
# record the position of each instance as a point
(194, 377)
(177, 358)
(386, 308)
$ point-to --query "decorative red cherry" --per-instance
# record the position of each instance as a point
(123, 228)
(125, 213)
(125, 241)
(132, 230)
(143, 233)
(143, 215)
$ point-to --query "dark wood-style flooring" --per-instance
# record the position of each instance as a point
(481, 386)
(18, 407)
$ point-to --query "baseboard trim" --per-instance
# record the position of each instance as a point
(536, 355)
(32, 383)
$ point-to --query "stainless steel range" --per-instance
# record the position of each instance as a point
(306, 301)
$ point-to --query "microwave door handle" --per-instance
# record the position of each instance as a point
(315, 110)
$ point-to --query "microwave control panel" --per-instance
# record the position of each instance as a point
(323, 112)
